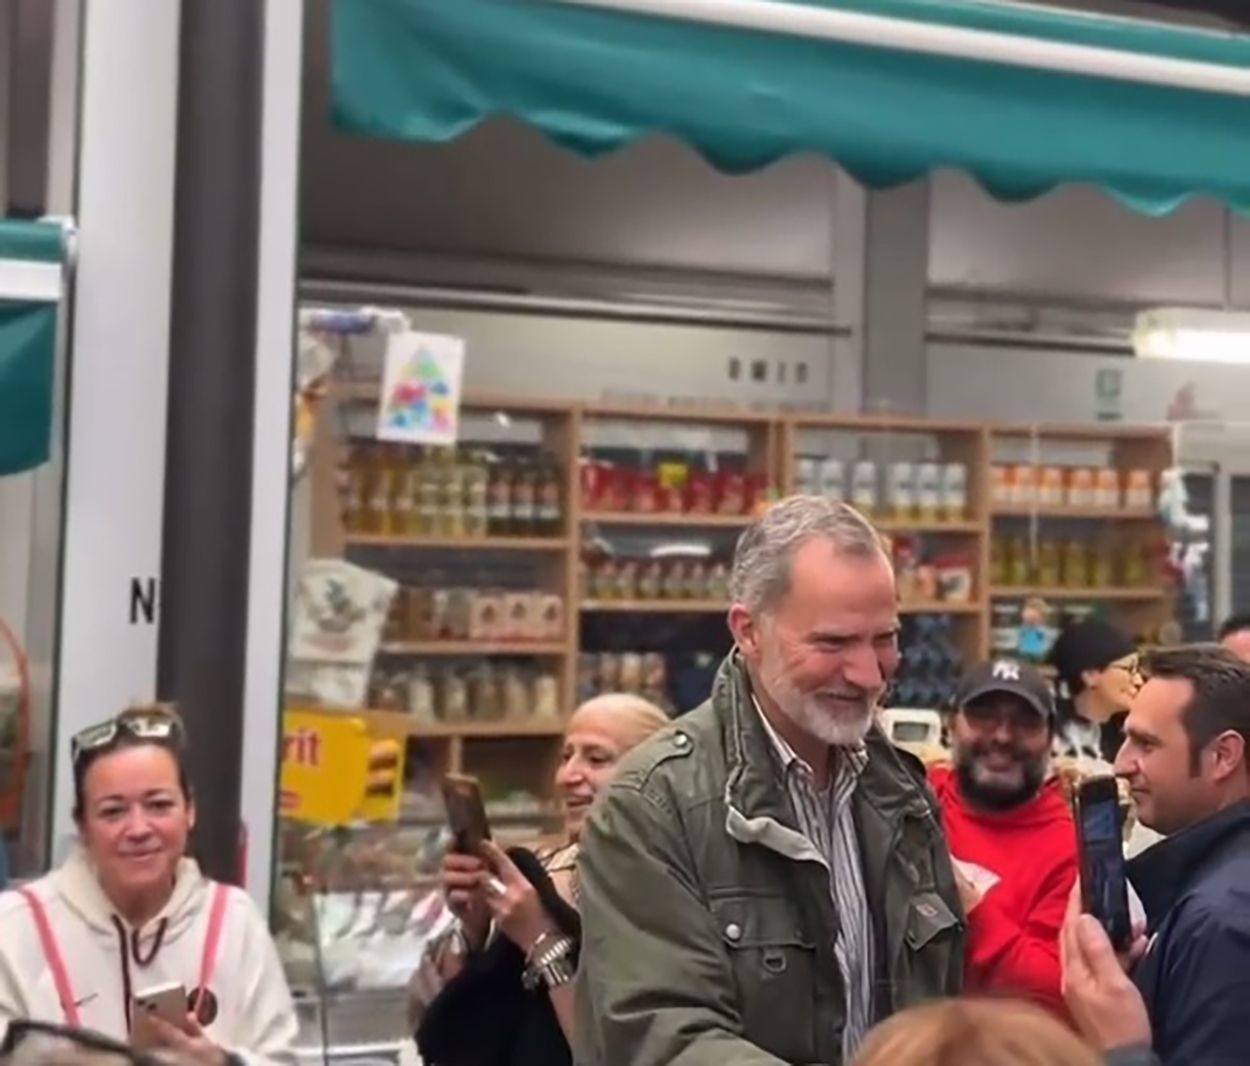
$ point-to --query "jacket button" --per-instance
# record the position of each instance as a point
(733, 931)
(681, 740)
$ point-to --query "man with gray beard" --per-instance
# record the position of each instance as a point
(1011, 833)
(765, 880)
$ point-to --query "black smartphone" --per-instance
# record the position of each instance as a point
(1104, 883)
(466, 813)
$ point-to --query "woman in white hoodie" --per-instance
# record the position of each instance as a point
(128, 913)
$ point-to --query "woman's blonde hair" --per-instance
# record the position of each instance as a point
(969, 1032)
(633, 718)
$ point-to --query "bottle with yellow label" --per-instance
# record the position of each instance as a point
(1019, 565)
(1049, 562)
(1076, 564)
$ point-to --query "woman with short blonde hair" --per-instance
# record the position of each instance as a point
(971, 1032)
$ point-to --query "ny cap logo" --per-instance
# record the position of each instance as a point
(1006, 670)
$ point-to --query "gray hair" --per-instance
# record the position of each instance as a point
(762, 560)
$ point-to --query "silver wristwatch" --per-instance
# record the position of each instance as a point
(551, 965)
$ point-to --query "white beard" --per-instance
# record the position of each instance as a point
(807, 712)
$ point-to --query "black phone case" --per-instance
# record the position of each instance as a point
(1112, 913)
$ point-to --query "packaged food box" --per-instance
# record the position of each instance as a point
(488, 617)
(954, 577)
(551, 616)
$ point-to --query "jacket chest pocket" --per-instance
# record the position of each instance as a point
(774, 970)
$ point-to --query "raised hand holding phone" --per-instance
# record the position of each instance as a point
(465, 873)
(1104, 880)
(466, 812)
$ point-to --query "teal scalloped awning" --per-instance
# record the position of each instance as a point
(30, 289)
(596, 79)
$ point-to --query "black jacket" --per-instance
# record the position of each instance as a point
(484, 1016)
(1195, 976)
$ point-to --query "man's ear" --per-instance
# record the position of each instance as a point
(745, 629)
(1228, 755)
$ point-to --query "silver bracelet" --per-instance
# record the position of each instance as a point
(550, 964)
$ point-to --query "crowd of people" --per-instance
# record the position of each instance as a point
(765, 880)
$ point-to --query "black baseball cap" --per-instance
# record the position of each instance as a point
(1010, 676)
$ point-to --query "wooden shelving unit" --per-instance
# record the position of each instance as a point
(664, 519)
(972, 607)
(769, 443)
(399, 722)
(1135, 595)
(655, 606)
(429, 543)
(1137, 609)
(484, 648)
(909, 525)
(1093, 514)
(888, 439)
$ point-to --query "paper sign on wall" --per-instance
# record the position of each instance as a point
(420, 401)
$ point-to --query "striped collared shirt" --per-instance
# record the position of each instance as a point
(826, 819)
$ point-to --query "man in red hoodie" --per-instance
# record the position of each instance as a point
(1011, 834)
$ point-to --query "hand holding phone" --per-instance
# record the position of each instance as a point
(466, 813)
(167, 1002)
(1104, 882)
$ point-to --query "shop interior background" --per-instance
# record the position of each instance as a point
(647, 276)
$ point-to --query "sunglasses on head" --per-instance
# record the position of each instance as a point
(155, 723)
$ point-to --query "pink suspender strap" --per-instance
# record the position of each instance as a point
(212, 940)
(52, 955)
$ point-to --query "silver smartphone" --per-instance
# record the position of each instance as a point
(167, 1002)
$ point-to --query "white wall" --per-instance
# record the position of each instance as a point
(1079, 243)
(552, 355)
(503, 193)
(1022, 385)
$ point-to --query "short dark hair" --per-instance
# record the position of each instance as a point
(1234, 623)
(1221, 700)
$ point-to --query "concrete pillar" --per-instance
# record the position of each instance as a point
(880, 271)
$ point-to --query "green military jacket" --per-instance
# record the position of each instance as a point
(708, 923)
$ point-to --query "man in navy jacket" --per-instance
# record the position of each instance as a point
(1187, 739)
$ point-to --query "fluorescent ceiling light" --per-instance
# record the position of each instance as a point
(1192, 334)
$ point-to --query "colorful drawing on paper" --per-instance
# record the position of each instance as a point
(420, 401)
